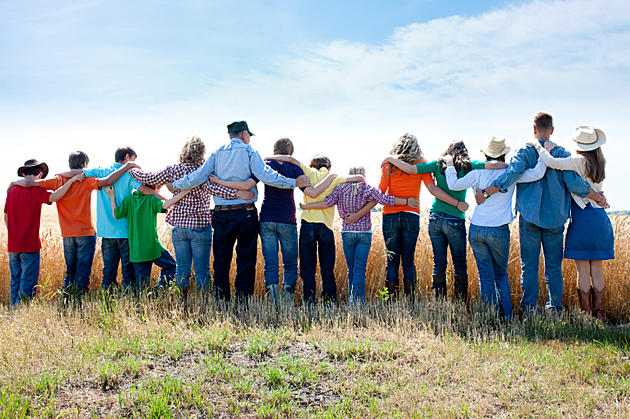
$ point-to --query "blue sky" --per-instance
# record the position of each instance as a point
(343, 78)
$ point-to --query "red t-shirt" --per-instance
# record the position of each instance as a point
(23, 208)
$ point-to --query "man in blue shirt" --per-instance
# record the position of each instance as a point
(236, 220)
(544, 208)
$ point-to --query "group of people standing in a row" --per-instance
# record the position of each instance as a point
(552, 185)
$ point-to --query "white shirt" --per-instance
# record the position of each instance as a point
(578, 165)
(497, 210)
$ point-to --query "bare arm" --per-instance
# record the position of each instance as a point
(314, 205)
(6, 222)
(405, 167)
(355, 178)
(286, 159)
(175, 199)
(115, 175)
(353, 217)
(25, 183)
(239, 185)
(496, 165)
(112, 199)
(315, 191)
(59, 193)
(70, 173)
(443, 196)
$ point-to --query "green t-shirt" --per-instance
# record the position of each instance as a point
(440, 179)
(141, 212)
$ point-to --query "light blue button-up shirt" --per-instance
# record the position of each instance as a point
(545, 203)
(106, 225)
(235, 161)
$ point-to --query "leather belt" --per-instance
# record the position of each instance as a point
(235, 207)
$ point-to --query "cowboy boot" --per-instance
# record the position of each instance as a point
(288, 294)
(410, 291)
(585, 300)
(439, 285)
(598, 303)
(461, 287)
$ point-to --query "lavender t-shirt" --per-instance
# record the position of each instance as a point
(278, 205)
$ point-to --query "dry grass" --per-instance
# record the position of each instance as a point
(157, 358)
(615, 271)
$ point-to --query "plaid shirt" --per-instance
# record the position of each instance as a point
(347, 203)
(193, 210)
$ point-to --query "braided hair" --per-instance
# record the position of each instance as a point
(358, 170)
(407, 149)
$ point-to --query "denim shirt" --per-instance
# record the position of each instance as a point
(546, 202)
(235, 161)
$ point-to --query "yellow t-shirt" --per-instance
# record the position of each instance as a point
(325, 216)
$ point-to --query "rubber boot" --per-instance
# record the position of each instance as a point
(439, 285)
(273, 292)
(598, 303)
(585, 300)
(461, 287)
(392, 289)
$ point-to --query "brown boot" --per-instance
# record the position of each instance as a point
(598, 303)
(585, 300)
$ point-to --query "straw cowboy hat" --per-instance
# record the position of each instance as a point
(495, 148)
(588, 138)
(33, 163)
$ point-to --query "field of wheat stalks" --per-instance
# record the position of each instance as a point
(617, 306)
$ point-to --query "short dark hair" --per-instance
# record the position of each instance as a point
(543, 121)
(236, 134)
(283, 146)
(78, 160)
(32, 171)
(122, 152)
(320, 161)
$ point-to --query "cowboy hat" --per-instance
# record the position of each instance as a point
(495, 148)
(33, 163)
(588, 138)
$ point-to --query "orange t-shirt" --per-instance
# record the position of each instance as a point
(402, 185)
(74, 209)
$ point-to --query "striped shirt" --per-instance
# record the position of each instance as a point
(193, 210)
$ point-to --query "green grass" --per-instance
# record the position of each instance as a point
(116, 356)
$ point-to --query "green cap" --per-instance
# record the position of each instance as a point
(239, 126)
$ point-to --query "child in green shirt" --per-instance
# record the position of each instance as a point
(145, 248)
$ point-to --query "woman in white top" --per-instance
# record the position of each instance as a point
(489, 234)
(590, 237)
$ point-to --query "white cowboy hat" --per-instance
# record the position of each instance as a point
(495, 148)
(588, 138)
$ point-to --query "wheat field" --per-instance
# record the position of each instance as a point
(617, 306)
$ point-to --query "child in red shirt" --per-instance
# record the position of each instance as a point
(22, 212)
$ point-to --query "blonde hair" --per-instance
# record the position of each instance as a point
(193, 151)
(407, 149)
(357, 170)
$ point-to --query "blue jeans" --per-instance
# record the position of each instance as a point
(114, 251)
(447, 231)
(491, 246)
(400, 232)
(24, 267)
(356, 249)
(531, 237)
(272, 236)
(317, 238)
(79, 254)
(192, 245)
(143, 270)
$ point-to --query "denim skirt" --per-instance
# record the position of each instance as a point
(590, 234)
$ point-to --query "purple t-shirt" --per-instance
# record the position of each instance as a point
(278, 205)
